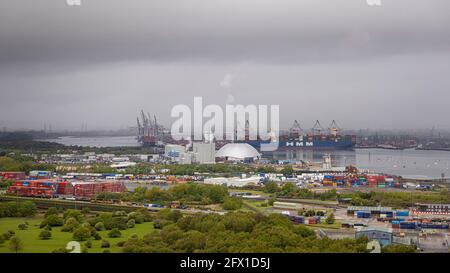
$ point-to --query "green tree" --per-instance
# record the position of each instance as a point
(54, 220)
(51, 211)
(81, 233)
(45, 234)
(131, 223)
(15, 244)
(99, 226)
(105, 244)
(232, 203)
(70, 225)
(73, 213)
(287, 171)
(399, 249)
(27, 209)
(114, 233)
(330, 219)
(270, 187)
(88, 243)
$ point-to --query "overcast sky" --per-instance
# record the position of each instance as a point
(101, 62)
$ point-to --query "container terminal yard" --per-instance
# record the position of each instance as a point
(334, 201)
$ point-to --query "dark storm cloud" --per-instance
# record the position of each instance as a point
(104, 60)
(219, 30)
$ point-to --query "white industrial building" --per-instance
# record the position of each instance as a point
(178, 154)
(233, 181)
(238, 152)
(204, 153)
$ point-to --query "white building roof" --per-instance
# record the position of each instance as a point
(237, 151)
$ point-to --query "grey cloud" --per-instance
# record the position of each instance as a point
(319, 59)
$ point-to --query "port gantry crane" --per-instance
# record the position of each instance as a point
(317, 128)
(296, 130)
(334, 128)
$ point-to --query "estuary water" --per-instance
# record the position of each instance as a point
(101, 141)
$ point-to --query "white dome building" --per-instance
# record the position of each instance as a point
(238, 152)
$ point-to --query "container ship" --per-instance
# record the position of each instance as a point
(317, 139)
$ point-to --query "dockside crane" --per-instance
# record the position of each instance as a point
(317, 128)
(296, 130)
(334, 128)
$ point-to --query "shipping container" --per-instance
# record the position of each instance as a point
(402, 213)
(12, 175)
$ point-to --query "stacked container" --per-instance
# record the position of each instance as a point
(434, 225)
(297, 219)
(395, 224)
(402, 213)
(33, 188)
(408, 225)
(12, 175)
(363, 214)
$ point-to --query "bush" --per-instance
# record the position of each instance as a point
(131, 223)
(138, 217)
(54, 220)
(100, 226)
(119, 213)
(116, 222)
(97, 237)
(15, 244)
(114, 233)
(60, 250)
(45, 235)
(72, 213)
(86, 211)
(22, 226)
(7, 235)
(232, 203)
(105, 244)
(159, 224)
(121, 243)
(84, 249)
(51, 211)
(82, 234)
(88, 243)
(70, 225)
(330, 219)
(27, 209)
(270, 187)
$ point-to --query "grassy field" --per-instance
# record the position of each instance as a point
(336, 225)
(254, 205)
(253, 192)
(32, 243)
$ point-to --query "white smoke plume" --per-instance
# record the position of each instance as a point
(226, 84)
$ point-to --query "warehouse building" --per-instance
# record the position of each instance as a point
(233, 181)
(383, 235)
(204, 153)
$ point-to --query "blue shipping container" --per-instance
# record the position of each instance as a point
(402, 213)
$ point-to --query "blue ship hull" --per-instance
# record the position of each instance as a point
(306, 145)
